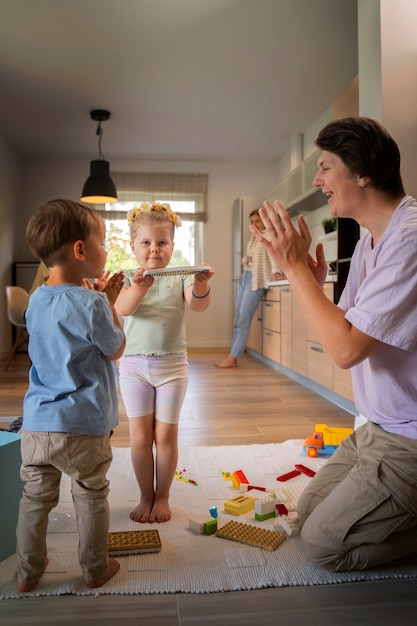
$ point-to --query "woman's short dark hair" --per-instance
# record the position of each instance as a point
(367, 149)
(55, 225)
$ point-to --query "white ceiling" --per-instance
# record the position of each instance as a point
(226, 80)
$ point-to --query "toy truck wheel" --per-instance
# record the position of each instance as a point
(312, 452)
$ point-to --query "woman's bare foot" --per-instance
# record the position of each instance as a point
(160, 511)
(142, 511)
(114, 567)
(231, 361)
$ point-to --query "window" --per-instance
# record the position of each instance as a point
(187, 196)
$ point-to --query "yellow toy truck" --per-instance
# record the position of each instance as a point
(324, 440)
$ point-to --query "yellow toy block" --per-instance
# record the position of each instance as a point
(239, 505)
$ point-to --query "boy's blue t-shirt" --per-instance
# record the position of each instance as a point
(72, 385)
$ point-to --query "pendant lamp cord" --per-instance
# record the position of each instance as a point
(99, 133)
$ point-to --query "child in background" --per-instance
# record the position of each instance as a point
(70, 407)
(153, 372)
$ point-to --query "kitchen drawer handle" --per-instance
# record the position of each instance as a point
(316, 349)
(268, 304)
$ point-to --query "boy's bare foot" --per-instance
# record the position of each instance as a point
(26, 587)
(114, 567)
(142, 511)
(231, 361)
(160, 511)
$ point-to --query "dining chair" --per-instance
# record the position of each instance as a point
(17, 303)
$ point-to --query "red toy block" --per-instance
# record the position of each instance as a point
(305, 470)
(288, 475)
(281, 509)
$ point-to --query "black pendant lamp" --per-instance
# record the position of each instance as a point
(99, 187)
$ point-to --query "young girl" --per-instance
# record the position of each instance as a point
(153, 372)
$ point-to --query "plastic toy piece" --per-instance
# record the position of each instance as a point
(324, 440)
(240, 505)
(281, 509)
(239, 477)
(244, 488)
(134, 542)
(288, 475)
(213, 512)
(251, 535)
(265, 508)
(203, 525)
(177, 271)
(290, 524)
(305, 470)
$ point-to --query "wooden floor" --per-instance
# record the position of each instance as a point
(249, 404)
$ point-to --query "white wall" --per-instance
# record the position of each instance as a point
(388, 74)
(46, 179)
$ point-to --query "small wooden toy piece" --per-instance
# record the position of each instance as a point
(304, 470)
(203, 524)
(238, 477)
(288, 475)
(134, 542)
(177, 271)
(239, 505)
(251, 535)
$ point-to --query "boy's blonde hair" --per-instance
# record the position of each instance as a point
(152, 213)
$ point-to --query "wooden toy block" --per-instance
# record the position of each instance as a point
(238, 477)
(251, 535)
(239, 505)
(203, 525)
(290, 524)
(134, 542)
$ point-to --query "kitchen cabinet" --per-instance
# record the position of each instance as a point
(286, 327)
(271, 324)
(280, 333)
(319, 364)
(255, 334)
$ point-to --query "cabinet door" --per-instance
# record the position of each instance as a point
(271, 345)
(299, 340)
(255, 334)
(273, 294)
(271, 315)
(286, 327)
(342, 382)
(319, 365)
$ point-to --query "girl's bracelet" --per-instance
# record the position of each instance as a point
(201, 297)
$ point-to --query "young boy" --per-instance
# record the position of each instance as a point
(70, 407)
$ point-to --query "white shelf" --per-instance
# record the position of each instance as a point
(328, 236)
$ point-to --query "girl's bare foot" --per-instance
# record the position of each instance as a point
(231, 361)
(160, 511)
(114, 567)
(141, 513)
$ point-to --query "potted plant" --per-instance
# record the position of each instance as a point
(329, 224)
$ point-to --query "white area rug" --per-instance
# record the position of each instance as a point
(189, 562)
